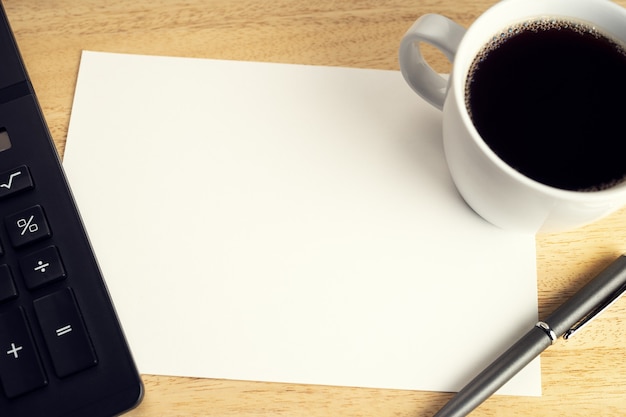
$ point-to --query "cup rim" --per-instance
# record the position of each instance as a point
(467, 49)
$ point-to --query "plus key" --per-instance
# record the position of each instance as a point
(20, 366)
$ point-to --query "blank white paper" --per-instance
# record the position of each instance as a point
(290, 223)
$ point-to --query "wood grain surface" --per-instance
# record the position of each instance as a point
(585, 376)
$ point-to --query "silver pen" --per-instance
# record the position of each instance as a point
(565, 321)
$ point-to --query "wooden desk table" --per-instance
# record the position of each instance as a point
(582, 377)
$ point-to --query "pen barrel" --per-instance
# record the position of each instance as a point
(497, 374)
(609, 284)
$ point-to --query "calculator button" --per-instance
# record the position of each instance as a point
(64, 332)
(7, 286)
(42, 267)
(15, 180)
(20, 366)
(27, 226)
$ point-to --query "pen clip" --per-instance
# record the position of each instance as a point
(583, 322)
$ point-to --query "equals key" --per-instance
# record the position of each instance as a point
(65, 333)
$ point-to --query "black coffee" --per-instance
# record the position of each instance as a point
(549, 97)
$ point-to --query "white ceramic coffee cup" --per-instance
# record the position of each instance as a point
(497, 192)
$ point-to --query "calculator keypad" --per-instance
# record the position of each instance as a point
(62, 350)
(56, 314)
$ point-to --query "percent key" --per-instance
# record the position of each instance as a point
(27, 226)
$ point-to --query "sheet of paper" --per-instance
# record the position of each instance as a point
(290, 223)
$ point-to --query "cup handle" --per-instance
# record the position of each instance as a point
(443, 34)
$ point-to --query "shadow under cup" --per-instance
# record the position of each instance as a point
(547, 96)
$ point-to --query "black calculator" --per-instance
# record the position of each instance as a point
(62, 349)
